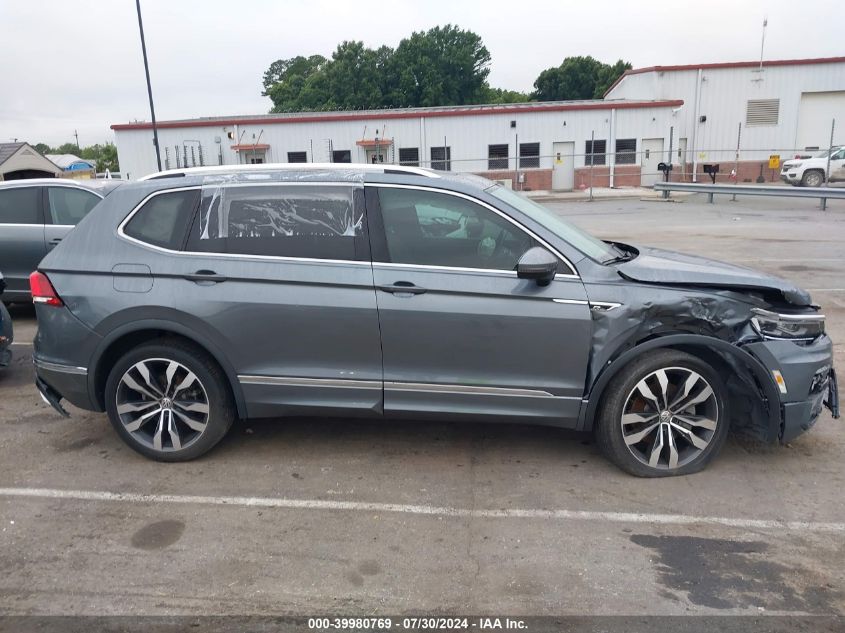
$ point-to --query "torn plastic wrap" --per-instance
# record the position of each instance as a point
(281, 204)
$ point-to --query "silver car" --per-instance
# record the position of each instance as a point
(34, 217)
(196, 297)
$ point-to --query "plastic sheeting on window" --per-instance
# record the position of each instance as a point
(281, 204)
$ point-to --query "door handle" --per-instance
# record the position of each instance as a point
(205, 276)
(55, 241)
(402, 287)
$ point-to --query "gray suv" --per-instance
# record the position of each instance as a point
(34, 217)
(195, 297)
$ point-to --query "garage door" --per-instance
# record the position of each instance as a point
(816, 112)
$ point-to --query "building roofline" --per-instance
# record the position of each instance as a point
(721, 65)
(414, 113)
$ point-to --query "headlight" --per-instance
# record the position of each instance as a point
(790, 327)
(793, 165)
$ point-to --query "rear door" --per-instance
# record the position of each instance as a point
(22, 244)
(282, 273)
(64, 208)
(460, 332)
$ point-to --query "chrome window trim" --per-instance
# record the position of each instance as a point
(578, 302)
(24, 225)
(288, 381)
(122, 234)
(496, 271)
(505, 216)
(58, 367)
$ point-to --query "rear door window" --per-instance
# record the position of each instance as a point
(20, 205)
(163, 220)
(302, 221)
(68, 205)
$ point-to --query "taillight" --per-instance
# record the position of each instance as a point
(42, 290)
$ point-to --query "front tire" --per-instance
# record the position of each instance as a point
(812, 178)
(169, 400)
(665, 414)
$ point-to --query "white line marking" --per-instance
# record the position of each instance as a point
(364, 506)
(21, 343)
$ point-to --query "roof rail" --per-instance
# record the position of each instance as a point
(264, 167)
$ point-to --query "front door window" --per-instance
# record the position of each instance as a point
(436, 229)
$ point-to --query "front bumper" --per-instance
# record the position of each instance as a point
(809, 381)
(790, 177)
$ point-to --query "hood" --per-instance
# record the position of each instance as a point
(677, 269)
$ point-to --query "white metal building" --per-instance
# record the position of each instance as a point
(776, 107)
(693, 110)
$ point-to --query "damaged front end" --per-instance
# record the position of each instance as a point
(762, 334)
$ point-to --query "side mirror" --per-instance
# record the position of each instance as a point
(537, 263)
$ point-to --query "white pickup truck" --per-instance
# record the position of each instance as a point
(810, 171)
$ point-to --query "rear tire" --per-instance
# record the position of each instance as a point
(663, 415)
(169, 400)
(812, 178)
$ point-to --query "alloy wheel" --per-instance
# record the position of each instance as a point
(670, 417)
(162, 404)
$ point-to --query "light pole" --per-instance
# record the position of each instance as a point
(149, 86)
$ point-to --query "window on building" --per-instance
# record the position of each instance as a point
(762, 112)
(310, 221)
(340, 156)
(529, 155)
(20, 205)
(437, 229)
(497, 156)
(595, 152)
(409, 156)
(69, 205)
(297, 157)
(626, 151)
(441, 158)
(163, 220)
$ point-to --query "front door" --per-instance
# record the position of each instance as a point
(460, 333)
(281, 273)
(22, 244)
(837, 166)
(563, 166)
(652, 157)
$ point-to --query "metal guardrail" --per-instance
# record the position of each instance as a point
(783, 191)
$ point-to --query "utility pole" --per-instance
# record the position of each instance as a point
(76, 135)
(763, 41)
(149, 86)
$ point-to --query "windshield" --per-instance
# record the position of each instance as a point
(584, 242)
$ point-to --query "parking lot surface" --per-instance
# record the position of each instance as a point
(343, 516)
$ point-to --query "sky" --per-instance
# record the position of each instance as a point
(77, 65)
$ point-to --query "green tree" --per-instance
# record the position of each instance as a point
(577, 78)
(500, 95)
(608, 75)
(285, 80)
(442, 66)
(43, 148)
(353, 79)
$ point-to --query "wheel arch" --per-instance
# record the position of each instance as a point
(716, 352)
(129, 335)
